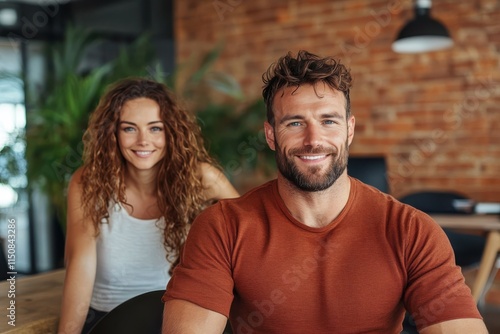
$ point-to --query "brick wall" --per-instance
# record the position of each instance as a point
(435, 116)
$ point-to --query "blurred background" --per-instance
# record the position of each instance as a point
(433, 117)
(56, 57)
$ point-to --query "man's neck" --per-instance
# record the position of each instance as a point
(315, 209)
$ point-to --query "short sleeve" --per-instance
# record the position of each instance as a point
(203, 275)
(436, 289)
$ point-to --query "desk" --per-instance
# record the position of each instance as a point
(489, 223)
(38, 302)
(38, 297)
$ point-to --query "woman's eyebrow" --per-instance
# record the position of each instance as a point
(132, 123)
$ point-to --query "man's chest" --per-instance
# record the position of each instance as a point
(332, 282)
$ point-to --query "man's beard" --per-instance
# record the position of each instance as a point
(314, 180)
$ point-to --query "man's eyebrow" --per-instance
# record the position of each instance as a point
(322, 116)
(290, 117)
(332, 115)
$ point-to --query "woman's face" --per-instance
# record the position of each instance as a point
(141, 134)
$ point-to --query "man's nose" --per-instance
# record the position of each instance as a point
(313, 136)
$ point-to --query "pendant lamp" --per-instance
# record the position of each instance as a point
(423, 33)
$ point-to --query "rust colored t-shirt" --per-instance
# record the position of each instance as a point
(249, 259)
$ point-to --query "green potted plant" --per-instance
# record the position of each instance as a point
(59, 114)
(231, 125)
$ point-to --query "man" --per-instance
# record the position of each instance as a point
(315, 251)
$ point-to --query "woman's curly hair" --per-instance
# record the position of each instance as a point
(306, 68)
(179, 187)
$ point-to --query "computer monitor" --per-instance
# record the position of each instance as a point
(371, 170)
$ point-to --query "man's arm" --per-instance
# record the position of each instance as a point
(458, 326)
(183, 317)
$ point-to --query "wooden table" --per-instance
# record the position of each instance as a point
(37, 303)
(38, 297)
(488, 223)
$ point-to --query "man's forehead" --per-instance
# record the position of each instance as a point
(308, 93)
(320, 89)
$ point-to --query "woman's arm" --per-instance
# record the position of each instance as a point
(80, 260)
(216, 185)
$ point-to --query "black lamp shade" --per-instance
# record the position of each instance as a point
(422, 34)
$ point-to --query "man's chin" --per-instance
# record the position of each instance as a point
(312, 184)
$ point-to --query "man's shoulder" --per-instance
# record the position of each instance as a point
(372, 195)
(259, 193)
(251, 201)
(368, 196)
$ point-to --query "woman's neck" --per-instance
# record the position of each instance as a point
(141, 181)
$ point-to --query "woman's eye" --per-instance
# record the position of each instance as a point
(156, 129)
(128, 129)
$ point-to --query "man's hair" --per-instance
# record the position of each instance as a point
(306, 68)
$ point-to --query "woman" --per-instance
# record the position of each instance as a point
(146, 175)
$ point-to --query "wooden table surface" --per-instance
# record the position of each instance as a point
(37, 301)
(485, 223)
(38, 297)
(468, 222)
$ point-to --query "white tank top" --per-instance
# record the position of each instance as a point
(131, 259)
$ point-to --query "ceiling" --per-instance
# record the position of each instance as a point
(111, 17)
(119, 21)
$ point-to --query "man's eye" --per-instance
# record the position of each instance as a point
(294, 124)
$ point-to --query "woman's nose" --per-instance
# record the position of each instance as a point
(142, 138)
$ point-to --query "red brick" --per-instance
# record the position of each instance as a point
(400, 101)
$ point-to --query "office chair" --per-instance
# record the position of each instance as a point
(141, 314)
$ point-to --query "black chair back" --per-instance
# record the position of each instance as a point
(434, 201)
(141, 314)
(370, 170)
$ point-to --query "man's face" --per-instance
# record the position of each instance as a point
(311, 135)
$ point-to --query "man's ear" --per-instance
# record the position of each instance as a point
(351, 123)
(269, 132)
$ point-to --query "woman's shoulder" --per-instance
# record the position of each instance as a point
(77, 175)
(76, 180)
(215, 183)
(208, 172)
